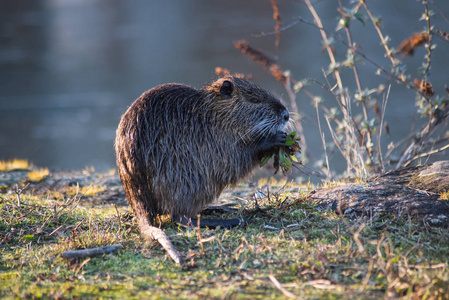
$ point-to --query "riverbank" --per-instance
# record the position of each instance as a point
(295, 244)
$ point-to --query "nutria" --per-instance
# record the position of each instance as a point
(178, 147)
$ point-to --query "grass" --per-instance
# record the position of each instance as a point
(15, 164)
(38, 175)
(444, 195)
(88, 191)
(289, 249)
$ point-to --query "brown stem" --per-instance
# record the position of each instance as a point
(91, 252)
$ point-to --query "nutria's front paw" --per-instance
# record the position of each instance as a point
(281, 137)
(273, 141)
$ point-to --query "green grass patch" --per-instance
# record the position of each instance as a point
(288, 249)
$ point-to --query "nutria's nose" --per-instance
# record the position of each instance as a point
(285, 115)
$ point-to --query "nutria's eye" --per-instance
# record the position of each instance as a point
(226, 88)
(254, 100)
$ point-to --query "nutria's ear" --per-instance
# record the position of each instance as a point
(226, 88)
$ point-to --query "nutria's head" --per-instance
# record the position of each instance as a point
(245, 109)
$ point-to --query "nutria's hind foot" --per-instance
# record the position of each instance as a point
(210, 223)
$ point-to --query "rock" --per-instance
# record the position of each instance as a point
(414, 191)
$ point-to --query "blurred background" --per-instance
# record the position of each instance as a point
(70, 68)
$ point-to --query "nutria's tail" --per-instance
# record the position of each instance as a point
(147, 230)
(159, 235)
(140, 197)
(150, 232)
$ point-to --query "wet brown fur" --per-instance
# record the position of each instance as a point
(177, 147)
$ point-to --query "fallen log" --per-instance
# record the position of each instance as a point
(412, 191)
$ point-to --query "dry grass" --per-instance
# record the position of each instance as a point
(444, 195)
(271, 181)
(38, 175)
(87, 191)
(15, 164)
(334, 183)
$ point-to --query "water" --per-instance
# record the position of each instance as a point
(69, 69)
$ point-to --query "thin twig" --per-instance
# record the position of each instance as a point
(200, 239)
(119, 220)
(429, 41)
(323, 140)
(428, 130)
(425, 154)
(278, 285)
(440, 11)
(91, 252)
(401, 80)
(276, 31)
(18, 192)
(388, 51)
(337, 143)
(354, 67)
(384, 106)
(323, 32)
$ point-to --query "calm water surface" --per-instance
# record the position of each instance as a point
(69, 69)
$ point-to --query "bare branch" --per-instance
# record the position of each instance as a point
(91, 252)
